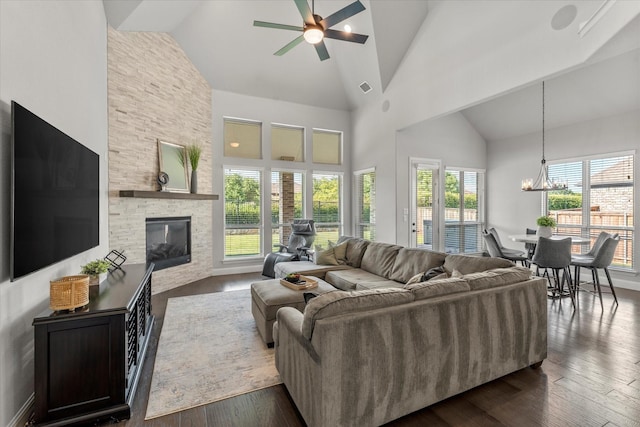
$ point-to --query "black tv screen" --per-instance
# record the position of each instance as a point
(55, 195)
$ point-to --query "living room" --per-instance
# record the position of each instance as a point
(55, 59)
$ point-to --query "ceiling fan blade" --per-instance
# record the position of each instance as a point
(321, 48)
(293, 43)
(305, 11)
(348, 37)
(344, 13)
(277, 26)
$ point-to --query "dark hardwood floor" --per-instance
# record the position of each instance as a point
(590, 378)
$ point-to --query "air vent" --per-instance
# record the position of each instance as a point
(366, 87)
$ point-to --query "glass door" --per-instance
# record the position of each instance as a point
(423, 222)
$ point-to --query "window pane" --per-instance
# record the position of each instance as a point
(424, 207)
(365, 193)
(327, 208)
(242, 212)
(463, 219)
(242, 139)
(601, 189)
(286, 203)
(287, 143)
(327, 147)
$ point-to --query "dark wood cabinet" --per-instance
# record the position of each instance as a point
(87, 363)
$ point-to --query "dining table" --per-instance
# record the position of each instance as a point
(532, 238)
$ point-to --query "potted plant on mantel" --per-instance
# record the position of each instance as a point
(97, 270)
(194, 151)
(545, 226)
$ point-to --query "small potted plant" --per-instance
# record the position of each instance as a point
(97, 270)
(545, 226)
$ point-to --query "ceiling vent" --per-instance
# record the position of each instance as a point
(366, 87)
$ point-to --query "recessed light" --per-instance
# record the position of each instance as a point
(347, 28)
(234, 144)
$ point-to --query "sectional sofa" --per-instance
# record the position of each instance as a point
(377, 348)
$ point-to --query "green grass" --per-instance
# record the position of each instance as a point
(237, 245)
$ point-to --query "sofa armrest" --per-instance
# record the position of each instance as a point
(289, 321)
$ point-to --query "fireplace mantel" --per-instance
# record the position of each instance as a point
(166, 195)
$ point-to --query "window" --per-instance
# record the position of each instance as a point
(365, 201)
(327, 207)
(287, 143)
(327, 147)
(242, 138)
(464, 219)
(286, 203)
(242, 219)
(599, 198)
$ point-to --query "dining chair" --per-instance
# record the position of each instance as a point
(602, 258)
(505, 250)
(530, 247)
(495, 251)
(555, 255)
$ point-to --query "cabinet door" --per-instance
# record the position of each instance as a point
(79, 366)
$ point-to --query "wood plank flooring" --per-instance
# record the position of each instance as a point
(590, 378)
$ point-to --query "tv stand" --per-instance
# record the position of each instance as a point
(87, 363)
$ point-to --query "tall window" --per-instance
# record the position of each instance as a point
(287, 143)
(364, 184)
(327, 207)
(242, 219)
(242, 138)
(599, 198)
(327, 147)
(464, 219)
(286, 203)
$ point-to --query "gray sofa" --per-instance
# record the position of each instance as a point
(371, 354)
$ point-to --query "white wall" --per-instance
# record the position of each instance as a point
(458, 60)
(53, 62)
(510, 210)
(450, 139)
(267, 111)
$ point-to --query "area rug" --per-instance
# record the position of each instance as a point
(209, 350)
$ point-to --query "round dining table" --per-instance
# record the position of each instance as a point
(532, 238)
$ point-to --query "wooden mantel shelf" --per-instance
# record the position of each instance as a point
(166, 195)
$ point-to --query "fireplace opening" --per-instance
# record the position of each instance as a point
(168, 241)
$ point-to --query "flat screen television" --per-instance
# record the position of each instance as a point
(55, 184)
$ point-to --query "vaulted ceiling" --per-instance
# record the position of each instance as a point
(233, 55)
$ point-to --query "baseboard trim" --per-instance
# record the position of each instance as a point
(21, 419)
(237, 270)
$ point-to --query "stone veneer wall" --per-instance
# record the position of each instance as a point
(155, 92)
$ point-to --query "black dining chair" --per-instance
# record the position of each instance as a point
(602, 258)
(530, 247)
(555, 255)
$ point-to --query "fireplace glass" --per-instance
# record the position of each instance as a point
(168, 241)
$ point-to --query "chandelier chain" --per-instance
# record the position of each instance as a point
(543, 159)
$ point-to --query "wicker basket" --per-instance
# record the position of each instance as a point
(69, 292)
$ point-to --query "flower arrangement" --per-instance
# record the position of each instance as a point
(96, 267)
(546, 221)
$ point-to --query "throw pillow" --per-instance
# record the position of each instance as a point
(327, 257)
(456, 274)
(340, 251)
(430, 274)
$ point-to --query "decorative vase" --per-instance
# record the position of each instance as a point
(544, 232)
(194, 181)
(96, 279)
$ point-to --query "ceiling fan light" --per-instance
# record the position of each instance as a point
(313, 34)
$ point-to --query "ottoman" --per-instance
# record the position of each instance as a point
(268, 296)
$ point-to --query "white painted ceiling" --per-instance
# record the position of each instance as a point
(233, 55)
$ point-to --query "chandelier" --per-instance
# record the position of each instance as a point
(542, 182)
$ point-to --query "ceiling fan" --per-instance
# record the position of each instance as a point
(315, 28)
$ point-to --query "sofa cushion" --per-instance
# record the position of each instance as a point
(435, 288)
(497, 277)
(341, 302)
(379, 258)
(307, 268)
(466, 264)
(348, 279)
(355, 250)
(408, 262)
(378, 285)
